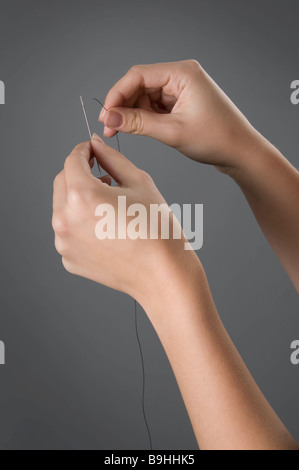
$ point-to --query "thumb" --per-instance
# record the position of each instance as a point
(138, 121)
(114, 163)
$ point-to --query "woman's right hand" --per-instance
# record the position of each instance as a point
(180, 105)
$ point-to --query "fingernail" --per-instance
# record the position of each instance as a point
(102, 113)
(114, 120)
(98, 138)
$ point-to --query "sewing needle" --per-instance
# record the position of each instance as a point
(88, 126)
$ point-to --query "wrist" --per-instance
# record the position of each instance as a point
(253, 157)
(177, 292)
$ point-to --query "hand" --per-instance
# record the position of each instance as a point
(172, 287)
(180, 105)
(131, 266)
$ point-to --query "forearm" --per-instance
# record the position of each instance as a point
(200, 121)
(226, 408)
(271, 186)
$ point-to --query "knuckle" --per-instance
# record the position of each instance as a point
(78, 151)
(136, 123)
(57, 179)
(75, 194)
(68, 266)
(135, 69)
(193, 64)
(79, 194)
(67, 162)
(60, 246)
(144, 177)
(59, 223)
(80, 148)
(175, 133)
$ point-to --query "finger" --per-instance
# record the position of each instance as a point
(109, 132)
(77, 165)
(114, 163)
(91, 163)
(106, 180)
(147, 102)
(137, 121)
(59, 192)
(155, 96)
(128, 89)
(144, 102)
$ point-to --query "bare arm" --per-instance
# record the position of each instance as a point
(226, 407)
(271, 186)
(180, 105)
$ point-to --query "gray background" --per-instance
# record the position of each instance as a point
(73, 376)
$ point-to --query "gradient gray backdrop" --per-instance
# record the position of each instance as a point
(73, 375)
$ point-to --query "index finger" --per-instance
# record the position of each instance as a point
(77, 167)
(139, 78)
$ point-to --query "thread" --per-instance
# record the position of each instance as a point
(136, 331)
(143, 379)
(117, 137)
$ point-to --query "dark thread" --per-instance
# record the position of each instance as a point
(136, 330)
(143, 378)
(117, 136)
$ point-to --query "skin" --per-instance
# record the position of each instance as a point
(180, 105)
